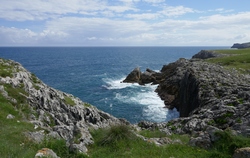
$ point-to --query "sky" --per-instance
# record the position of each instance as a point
(124, 22)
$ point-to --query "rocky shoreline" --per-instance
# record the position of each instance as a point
(205, 94)
(209, 98)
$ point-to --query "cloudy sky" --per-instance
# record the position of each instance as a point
(124, 22)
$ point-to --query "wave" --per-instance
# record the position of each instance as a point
(144, 96)
(117, 83)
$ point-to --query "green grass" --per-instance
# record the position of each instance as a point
(235, 58)
(69, 101)
(6, 69)
(227, 143)
(119, 141)
(152, 133)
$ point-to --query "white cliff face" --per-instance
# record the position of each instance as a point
(60, 114)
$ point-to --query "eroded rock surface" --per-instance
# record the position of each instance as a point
(60, 114)
(206, 95)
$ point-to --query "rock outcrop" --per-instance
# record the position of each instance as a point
(60, 114)
(206, 95)
(205, 54)
(241, 45)
(242, 153)
(149, 76)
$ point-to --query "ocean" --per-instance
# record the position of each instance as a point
(94, 75)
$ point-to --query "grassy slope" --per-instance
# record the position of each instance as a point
(235, 58)
(13, 142)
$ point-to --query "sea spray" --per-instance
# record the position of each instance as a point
(153, 108)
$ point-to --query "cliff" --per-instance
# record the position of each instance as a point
(60, 114)
(206, 95)
(241, 45)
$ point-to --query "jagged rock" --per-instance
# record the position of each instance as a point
(37, 136)
(206, 95)
(242, 153)
(134, 76)
(202, 141)
(149, 76)
(46, 152)
(205, 54)
(54, 114)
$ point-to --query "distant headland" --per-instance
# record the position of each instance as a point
(241, 45)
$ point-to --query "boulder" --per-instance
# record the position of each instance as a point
(242, 153)
(9, 116)
(202, 141)
(46, 152)
(134, 76)
(142, 78)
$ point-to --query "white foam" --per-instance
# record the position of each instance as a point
(117, 83)
(153, 106)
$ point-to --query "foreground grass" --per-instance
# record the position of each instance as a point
(119, 141)
(235, 58)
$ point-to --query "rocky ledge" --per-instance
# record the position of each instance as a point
(56, 113)
(205, 94)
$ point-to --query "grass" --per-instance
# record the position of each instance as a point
(152, 133)
(235, 58)
(69, 101)
(119, 141)
(6, 69)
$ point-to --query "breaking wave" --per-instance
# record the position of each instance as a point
(143, 96)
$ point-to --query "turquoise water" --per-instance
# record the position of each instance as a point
(94, 74)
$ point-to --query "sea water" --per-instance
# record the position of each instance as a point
(94, 75)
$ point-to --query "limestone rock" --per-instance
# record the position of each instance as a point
(9, 116)
(60, 114)
(46, 152)
(242, 153)
(202, 141)
(205, 54)
(134, 76)
(142, 78)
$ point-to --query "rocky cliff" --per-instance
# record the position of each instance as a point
(60, 114)
(206, 95)
(241, 45)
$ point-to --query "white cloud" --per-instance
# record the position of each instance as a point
(98, 22)
(176, 11)
(40, 10)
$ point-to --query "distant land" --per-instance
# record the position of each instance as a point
(241, 45)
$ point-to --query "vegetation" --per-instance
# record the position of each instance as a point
(13, 142)
(119, 141)
(6, 69)
(152, 133)
(234, 58)
(69, 101)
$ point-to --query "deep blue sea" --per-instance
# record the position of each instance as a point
(94, 75)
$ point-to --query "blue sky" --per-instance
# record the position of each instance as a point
(124, 22)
